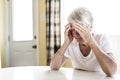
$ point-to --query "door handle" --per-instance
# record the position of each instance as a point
(34, 46)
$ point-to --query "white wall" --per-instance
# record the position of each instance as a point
(115, 46)
(106, 14)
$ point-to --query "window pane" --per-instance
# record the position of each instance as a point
(22, 20)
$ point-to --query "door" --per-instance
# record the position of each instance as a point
(23, 37)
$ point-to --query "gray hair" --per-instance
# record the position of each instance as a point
(81, 15)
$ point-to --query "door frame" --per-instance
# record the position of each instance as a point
(42, 32)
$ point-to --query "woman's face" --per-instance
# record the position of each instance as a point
(76, 35)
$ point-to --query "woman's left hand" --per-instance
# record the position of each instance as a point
(84, 32)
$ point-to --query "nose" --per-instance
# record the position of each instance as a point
(74, 32)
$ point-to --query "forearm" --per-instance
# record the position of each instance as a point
(56, 62)
(58, 59)
(107, 63)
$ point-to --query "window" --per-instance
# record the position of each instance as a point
(22, 20)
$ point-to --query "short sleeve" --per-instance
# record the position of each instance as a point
(66, 54)
(105, 44)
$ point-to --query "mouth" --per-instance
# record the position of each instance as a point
(77, 38)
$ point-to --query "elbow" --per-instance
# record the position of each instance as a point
(112, 71)
(111, 74)
(54, 66)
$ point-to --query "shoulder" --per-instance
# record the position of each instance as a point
(100, 37)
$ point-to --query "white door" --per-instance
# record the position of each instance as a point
(23, 37)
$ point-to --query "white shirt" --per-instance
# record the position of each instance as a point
(89, 62)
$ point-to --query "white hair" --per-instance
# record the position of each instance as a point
(81, 15)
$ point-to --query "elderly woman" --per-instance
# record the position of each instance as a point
(86, 49)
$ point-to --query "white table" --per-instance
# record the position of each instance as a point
(44, 73)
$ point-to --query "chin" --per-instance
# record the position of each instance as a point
(77, 39)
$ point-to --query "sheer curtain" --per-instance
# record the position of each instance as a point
(53, 27)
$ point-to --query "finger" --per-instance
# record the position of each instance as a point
(66, 27)
(79, 31)
(78, 27)
(81, 27)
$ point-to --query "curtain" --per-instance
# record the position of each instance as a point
(52, 27)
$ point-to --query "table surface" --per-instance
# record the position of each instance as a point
(44, 73)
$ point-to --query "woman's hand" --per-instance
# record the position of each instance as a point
(84, 32)
(68, 33)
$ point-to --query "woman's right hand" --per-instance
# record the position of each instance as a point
(68, 33)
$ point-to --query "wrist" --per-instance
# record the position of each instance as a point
(92, 43)
(66, 43)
